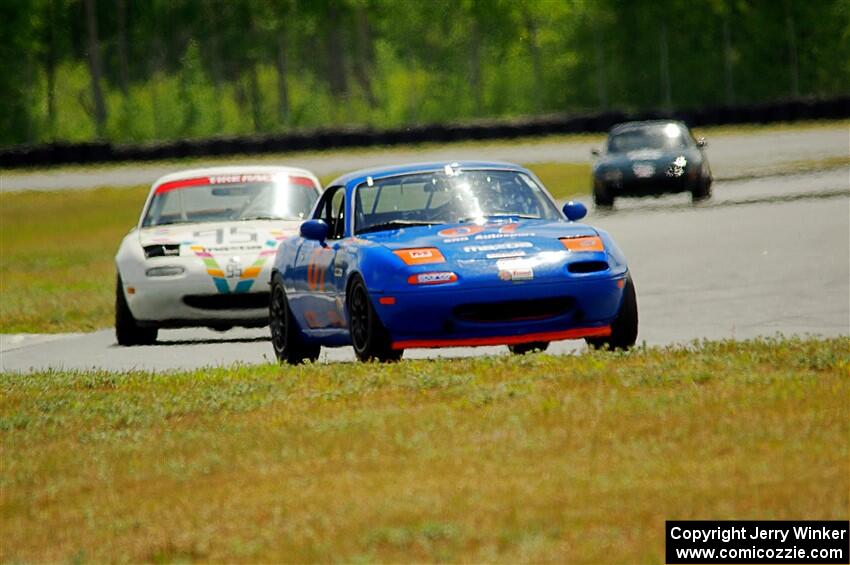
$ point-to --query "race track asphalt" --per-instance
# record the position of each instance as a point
(731, 155)
(764, 256)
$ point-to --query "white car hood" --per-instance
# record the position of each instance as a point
(232, 254)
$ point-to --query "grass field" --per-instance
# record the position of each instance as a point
(57, 270)
(500, 459)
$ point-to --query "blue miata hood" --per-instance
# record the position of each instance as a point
(490, 240)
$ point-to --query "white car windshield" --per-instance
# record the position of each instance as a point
(441, 198)
(231, 198)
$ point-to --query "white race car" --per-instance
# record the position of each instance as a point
(202, 252)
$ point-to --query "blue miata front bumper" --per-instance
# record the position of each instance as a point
(515, 312)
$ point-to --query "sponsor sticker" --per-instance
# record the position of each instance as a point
(213, 249)
(498, 246)
(515, 270)
(461, 231)
(523, 274)
(231, 179)
(502, 235)
(435, 278)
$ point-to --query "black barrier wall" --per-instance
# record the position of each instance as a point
(105, 152)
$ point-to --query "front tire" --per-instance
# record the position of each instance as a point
(287, 341)
(127, 330)
(369, 337)
(602, 196)
(523, 348)
(702, 190)
(624, 329)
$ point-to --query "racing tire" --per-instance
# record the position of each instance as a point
(602, 197)
(624, 329)
(127, 330)
(702, 190)
(523, 348)
(287, 341)
(369, 337)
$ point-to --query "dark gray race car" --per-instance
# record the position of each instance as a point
(648, 159)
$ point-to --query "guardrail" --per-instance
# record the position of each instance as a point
(105, 152)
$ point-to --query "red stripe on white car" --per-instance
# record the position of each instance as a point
(227, 179)
(303, 181)
(167, 186)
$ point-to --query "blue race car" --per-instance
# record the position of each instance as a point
(442, 255)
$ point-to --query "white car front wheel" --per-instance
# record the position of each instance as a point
(127, 330)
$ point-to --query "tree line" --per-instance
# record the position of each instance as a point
(162, 69)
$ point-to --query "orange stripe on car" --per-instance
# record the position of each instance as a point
(583, 243)
(251, 272)
(420, 256)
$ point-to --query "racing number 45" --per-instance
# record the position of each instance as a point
(238, 235)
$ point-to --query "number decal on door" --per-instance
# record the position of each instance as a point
(316, 269)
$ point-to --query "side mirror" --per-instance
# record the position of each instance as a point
(574, 210)
(701, 142)
(594, 152)
(317, 230)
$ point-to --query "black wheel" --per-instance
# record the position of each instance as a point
(368, 335)
(127, 330)
(523, 348)
(702, 190)
(602, 197)
(625, 327)
(287, 341)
